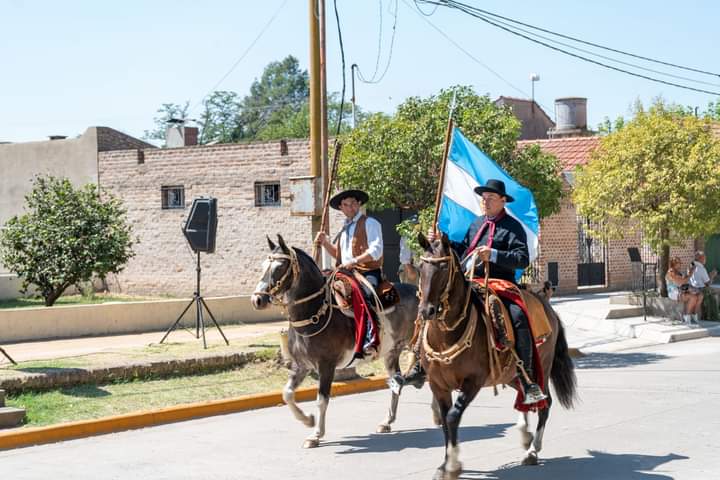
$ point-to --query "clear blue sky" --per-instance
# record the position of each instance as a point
(73, 64)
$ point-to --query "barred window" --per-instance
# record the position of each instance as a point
(172, 196)
(267, 194)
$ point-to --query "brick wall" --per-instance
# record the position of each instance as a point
(163, 263)
(559, 243)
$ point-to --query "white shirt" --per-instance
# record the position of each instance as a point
(373, 230)
(700, 276)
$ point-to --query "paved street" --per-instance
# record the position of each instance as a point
(646, 413)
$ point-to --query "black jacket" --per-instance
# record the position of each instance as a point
(510, 242)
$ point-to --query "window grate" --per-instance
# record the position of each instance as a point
(172, 196)
(267, 194)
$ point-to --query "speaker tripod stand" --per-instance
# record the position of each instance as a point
(7, 356)
(199, 303)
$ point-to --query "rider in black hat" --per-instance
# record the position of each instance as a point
(359, 245)
(500, 240)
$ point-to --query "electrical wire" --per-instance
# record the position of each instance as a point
(605, 57)
(568, 37)
(375, 80)
(469, 11)
(342, 57)
(243, 55)
(470, 55)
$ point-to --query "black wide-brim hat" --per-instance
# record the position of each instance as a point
(358, 195)
(495, 186)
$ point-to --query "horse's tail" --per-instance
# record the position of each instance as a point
(562, 373)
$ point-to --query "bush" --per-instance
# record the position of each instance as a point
(65, 237)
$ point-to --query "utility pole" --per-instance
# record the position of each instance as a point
(316, 162)
(352, 99)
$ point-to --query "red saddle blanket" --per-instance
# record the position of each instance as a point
(509, 291)
(362, 315)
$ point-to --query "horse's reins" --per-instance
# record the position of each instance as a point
(275, 291)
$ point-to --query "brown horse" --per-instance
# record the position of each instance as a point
(321, 337)
(457, 354)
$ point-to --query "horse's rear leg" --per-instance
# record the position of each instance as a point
(295, 377)
(327, 373)
(392, 366)
(526, 437)
(531, 455)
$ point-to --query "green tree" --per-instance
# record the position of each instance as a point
(65, 236)
(658, 175)
(397, 159)
(607, 126)
(278, 96)
(220, 118)
(166, 112)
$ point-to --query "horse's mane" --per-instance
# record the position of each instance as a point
(301, 253)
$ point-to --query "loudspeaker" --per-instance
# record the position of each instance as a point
(201, 225)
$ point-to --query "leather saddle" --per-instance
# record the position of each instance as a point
(385, 292)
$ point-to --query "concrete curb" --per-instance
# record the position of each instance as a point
(25, 437)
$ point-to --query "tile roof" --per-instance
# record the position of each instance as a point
(571, 151)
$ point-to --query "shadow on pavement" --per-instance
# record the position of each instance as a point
(599, 465)
(617, 360)
(421, 438)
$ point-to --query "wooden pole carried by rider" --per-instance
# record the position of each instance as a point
(326, 203)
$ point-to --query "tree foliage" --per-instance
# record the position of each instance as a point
(397, 158)
(65, 237)
(659, 175)
(275, 108)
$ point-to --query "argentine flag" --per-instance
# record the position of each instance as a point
(469, 167)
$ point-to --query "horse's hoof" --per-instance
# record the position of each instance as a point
(311, 443)
(441, 474)
(530, 459)
(310, 422)
(382, 428)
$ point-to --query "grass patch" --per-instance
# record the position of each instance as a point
(98, 298)
(87, 402)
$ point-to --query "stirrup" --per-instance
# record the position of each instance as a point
(533, 394)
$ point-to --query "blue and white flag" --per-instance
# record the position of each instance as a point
(469, 167)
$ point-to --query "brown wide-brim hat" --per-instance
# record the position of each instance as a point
(358, 195)
(495, 186)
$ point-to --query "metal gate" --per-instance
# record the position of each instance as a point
(592, 255)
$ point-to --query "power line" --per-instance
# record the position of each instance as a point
(469, 10)
(244, 54)
(470, 55)
(452, 3)
(589, 52)
(373, 80)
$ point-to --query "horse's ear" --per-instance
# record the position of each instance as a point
(445, 241)
(270, 243)
(282, 244)
(423, 241)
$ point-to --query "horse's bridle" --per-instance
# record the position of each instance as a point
(276, 291)
(445, 295)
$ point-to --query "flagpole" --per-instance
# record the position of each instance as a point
(441, 181)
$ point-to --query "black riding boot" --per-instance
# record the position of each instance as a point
(523, 347)
(415, 377)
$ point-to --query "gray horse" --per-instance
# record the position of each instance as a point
(321, 337)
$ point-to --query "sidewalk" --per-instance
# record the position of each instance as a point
(584, 316)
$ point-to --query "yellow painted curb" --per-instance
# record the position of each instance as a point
(65, 431)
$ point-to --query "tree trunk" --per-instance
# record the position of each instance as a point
(51, 297)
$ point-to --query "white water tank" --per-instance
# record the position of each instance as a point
(571, 114)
